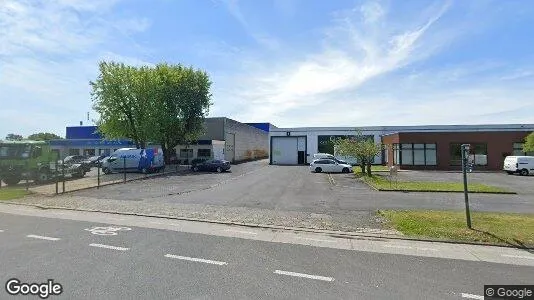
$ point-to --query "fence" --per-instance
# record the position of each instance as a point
(57, 177)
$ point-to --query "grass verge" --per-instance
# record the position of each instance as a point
(491, 228)
(381, 183)
(12, 193)
(374, 168)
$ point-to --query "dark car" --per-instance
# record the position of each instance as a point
(211, 165)
(94, 161)
(77, 159)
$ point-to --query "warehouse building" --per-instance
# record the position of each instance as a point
(293, 146)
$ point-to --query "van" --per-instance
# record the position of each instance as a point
(524, 165)
(134, 160)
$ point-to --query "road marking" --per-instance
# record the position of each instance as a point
(241, 231)
(43, 237)
(207, 261)
(316, 277)
(518, 256)
(107, 230)
(109, 247)
(1, 230)
(317, 240)
(408, 247)
(471, 296)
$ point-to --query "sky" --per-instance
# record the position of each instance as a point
(292, 63)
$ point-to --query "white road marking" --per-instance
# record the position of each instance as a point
(109, 247)
(240, 231)
(312, 239)
(408, 247)
(518, 256)
(1, 230)
(316, 277)
(471, 296)
(207, 261)
(43, 237)
(111, 230)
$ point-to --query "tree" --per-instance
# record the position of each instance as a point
(529, 143)
(361, 147)
(14, 137)
(165, 104)
(43, 136)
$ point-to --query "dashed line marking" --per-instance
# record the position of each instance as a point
(316, 277)
(202, 260)
(408, 247)
(518, 256)
(109, 247)
(240, 231)
(40, 237)
(471, 296)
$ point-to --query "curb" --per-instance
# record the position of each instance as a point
(427, 191)
(333, 233)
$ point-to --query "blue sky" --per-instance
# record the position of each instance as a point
(288, 62)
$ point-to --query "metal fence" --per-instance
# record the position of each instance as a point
(57, 177)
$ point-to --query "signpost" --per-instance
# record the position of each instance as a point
(465, 162)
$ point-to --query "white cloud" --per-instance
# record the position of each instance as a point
(372, 12)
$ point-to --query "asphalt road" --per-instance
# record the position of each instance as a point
(144, 263)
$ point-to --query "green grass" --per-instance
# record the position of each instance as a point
(374, 168)
(12, 193)
(383, 184)
(493, 228)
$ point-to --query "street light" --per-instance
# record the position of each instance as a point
(465, 162)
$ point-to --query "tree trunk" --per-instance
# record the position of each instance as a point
(362, 165)
(369, 169)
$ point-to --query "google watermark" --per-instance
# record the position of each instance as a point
(509, 292)
(44, 290)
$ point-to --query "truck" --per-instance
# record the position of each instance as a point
(32, 160)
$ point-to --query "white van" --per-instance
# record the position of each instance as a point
(523, 165)
(134, 160)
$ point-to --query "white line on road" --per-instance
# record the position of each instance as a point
(1, 230)
(316, 277)
(43, 237)
(518, 256)
(240, 231)
(109, 247)
(471, 296)
(408, 247)
(207, 261)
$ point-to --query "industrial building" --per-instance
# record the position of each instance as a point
(438, 144)
(237, 141)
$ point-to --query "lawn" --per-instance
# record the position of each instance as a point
(12, 193)
(374, 168)
(492, 228)
(381, 183)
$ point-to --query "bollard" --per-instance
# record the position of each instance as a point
(124, 168)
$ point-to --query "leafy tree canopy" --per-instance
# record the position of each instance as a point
(43, 136)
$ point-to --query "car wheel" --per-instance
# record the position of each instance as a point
(318, 170)
(524, 172)
(345, 170)
(219, 169)
(195, 169)
(43, 176)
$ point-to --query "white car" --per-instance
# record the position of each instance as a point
(329, 166)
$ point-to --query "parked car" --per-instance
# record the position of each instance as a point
(211, 165)
(73, 160)
(94, 161)
(524, 165)
(317, 156)
(134, 160)
(329, 166)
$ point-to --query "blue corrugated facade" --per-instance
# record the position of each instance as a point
(263, 126)
(82, 132)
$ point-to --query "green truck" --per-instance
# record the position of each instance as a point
(32, 160)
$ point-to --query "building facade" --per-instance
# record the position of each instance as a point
(293, 146)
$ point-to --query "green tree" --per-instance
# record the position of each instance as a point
(14, 137)
(529, 143)
(164, 104)
(363, 148)
(43, 136)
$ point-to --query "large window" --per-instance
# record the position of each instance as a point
(414, 154)
(204, 153)
(325, 143)
(478, 154)
(518, 150)
(186, 153)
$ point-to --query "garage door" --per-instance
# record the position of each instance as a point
(284, 150)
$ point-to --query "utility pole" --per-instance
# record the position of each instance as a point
(465, 161)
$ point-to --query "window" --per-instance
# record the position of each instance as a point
(478, 154)
(414, 154)
(518, 150)
(186, 153)
(204, 153)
